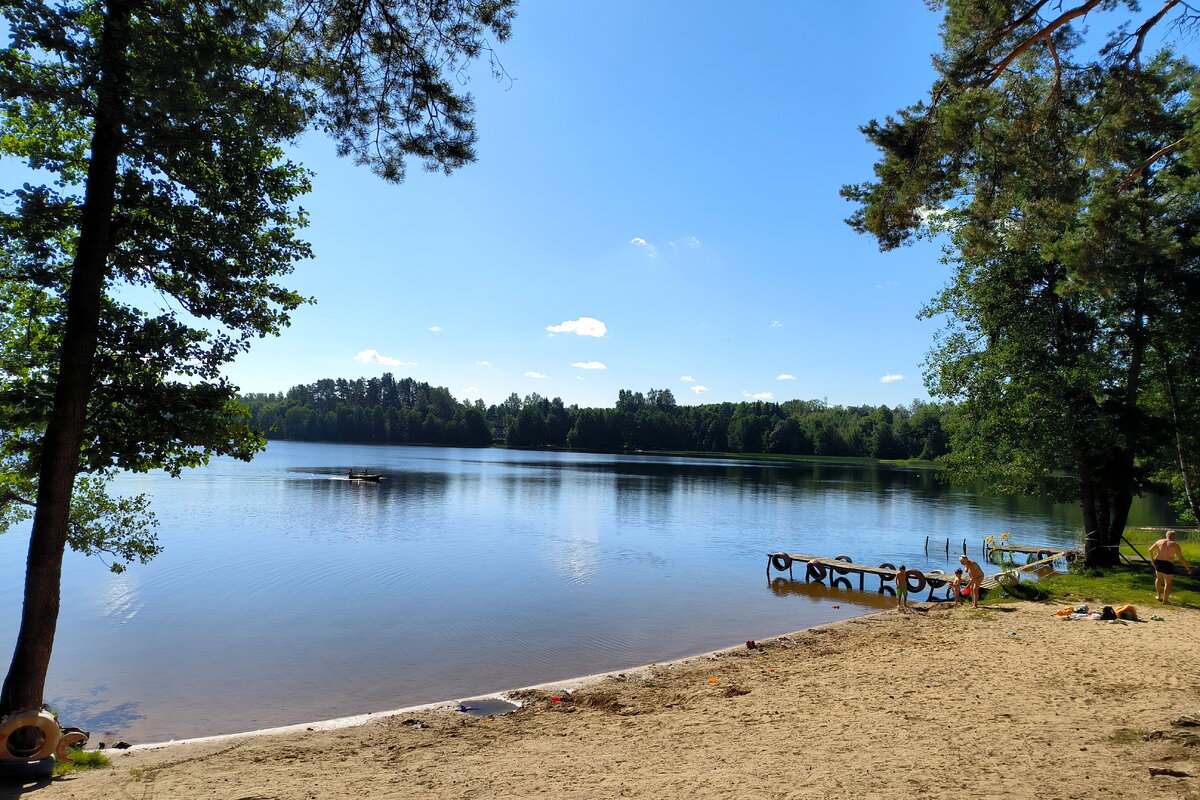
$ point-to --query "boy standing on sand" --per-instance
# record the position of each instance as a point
(902, 590)
(1164, 552)
(974, 578)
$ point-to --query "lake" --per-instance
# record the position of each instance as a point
(287, 593)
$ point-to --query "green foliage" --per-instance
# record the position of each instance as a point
(148, 249)
(79, 760)
(1069, 200)
(1119, 585)
(387, 410)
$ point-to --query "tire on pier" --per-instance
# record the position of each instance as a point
(815, 571)
(845, 559)
(914, 580)
(781, 561)
(883, 587)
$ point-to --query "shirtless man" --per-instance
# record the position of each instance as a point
(974, 578)
(1164, 552)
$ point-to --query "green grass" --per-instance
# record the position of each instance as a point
(1189, 543)
(79, 760)
(1118, 586)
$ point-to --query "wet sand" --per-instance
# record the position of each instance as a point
(1006, 702)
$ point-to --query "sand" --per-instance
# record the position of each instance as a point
(1007, 702)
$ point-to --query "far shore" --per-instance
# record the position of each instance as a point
(1008, 701)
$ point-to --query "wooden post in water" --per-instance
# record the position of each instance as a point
(947, 547)
(964, 547)
(926, 545)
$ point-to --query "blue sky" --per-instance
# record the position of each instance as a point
(667, 170)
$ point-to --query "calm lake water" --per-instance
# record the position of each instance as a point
(287, 593)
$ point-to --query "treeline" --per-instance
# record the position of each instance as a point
(385, 410)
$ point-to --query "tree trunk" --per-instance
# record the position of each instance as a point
(24, 685)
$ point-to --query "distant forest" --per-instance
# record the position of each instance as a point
(388, 411)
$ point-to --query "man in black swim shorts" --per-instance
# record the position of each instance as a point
(1164, 552)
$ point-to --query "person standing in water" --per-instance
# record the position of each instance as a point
(1164, 552)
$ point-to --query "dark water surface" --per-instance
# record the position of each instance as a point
(287, 593)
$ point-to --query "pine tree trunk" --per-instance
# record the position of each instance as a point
(23, 687)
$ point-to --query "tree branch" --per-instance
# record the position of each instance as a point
(1172, 147)
(1042, 33)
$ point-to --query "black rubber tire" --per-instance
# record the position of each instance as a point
(27, 770)
(914, 580)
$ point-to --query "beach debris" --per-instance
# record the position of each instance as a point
(1170, 773)
(558, 699)
(837, 606)
(412, 723)
(1156, 618)
(464, 708)
(1187, 721)
(122, 746)
(712, 680)
(1012, 633)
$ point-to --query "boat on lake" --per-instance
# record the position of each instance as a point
(372, 477)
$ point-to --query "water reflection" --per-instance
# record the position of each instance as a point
(287, 593)
(820, 592)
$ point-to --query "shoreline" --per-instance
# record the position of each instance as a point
(1008, 701)
(508, 695)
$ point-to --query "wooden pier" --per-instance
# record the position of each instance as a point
(1035, 552)
(839, 569)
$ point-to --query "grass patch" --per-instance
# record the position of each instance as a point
(79, 760)
(1119, 585)
(1126, 736)
(1020, 591)
(1142, 538)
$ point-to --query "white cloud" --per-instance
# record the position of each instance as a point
(890, 378)
(691, 241)
(584, 326)
(759, 396)
(698, 389)
(532, 374)
(687, 378)
(373, 357)
(436, 328)
(785, 377)
(776, 324)
(472, 390)
(590, 365)
(483, 363)
(650, 250)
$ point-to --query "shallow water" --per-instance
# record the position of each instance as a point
(288, 593)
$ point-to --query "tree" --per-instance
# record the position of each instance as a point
(159, 128)
(1069, 205)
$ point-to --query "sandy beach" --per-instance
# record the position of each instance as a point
(1005, 702)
